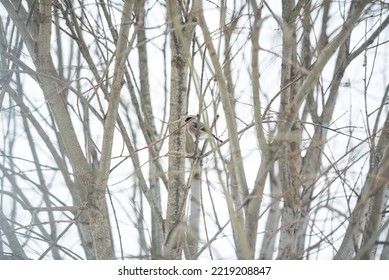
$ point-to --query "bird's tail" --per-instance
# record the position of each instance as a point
(214, 136)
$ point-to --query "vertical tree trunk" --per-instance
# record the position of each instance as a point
(193, 228)
(53, 93)
(149, 130)
(289, 162)
(180, 38)
(98, 211)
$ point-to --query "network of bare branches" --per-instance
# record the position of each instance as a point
(96, 161)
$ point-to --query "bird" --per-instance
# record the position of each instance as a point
(197, 130)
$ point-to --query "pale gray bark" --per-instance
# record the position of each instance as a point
(236, 165)
(149, 131)
(367, 215)
(14, 244)
(90, 122)
(273, 220)
(37, 39)
(292, 208)
(193, 228)
(99, 215)
(181, 35)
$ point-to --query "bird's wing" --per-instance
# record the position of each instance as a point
(200, 124)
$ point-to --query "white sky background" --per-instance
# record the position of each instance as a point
(349, 111)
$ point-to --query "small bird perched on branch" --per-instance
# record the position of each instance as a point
(197, 130)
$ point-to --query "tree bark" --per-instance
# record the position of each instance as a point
(180, 37)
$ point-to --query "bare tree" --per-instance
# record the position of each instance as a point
(96, 162)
